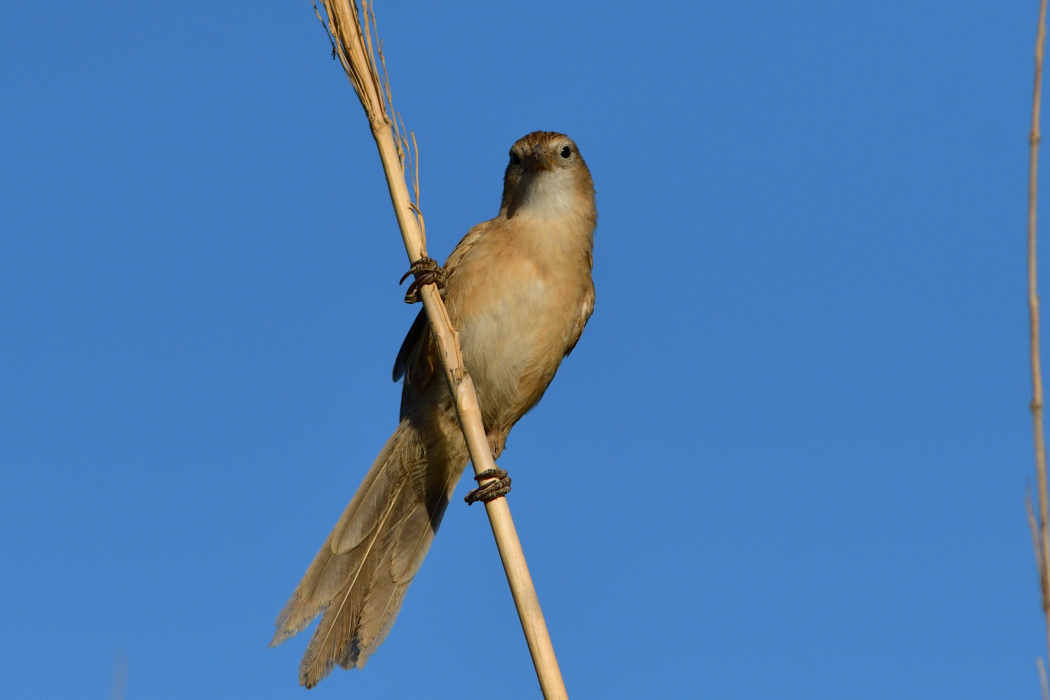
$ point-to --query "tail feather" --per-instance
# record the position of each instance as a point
(331, 568)
(386, 592)
(298, 611)
(400, 457)
(358, 579)
(342, 618)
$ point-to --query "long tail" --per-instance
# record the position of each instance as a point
(360, 576)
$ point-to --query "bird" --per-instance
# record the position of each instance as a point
(518, 289)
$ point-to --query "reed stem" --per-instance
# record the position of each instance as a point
(354, 40)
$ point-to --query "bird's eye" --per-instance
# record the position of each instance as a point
(566, 152)
(515, 159)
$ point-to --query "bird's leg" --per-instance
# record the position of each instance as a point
(427, 271)
(497, 488)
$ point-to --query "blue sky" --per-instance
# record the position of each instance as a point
(788, 458)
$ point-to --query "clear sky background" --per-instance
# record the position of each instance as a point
(788, 459)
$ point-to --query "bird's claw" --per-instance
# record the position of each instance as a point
(427, 271)
(497, 488)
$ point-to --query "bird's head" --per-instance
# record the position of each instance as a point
(546, 176)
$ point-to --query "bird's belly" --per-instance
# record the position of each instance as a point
(516, 339)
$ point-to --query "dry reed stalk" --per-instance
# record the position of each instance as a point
(354, 42)
(1039, 527)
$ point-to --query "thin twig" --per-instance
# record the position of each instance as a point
(415, 160)
(1040, 533)
(1033, 526)
(120, 676)
(327, 33)
(352, 32)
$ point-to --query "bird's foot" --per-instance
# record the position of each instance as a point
(497, 488)
(427, 271)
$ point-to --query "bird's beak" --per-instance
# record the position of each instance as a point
(538, 160)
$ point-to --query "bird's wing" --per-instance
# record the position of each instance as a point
(464, 246)
(581, 321)
(414, 339)
(415, 359)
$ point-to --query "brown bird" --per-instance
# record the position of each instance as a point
(518, 288)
